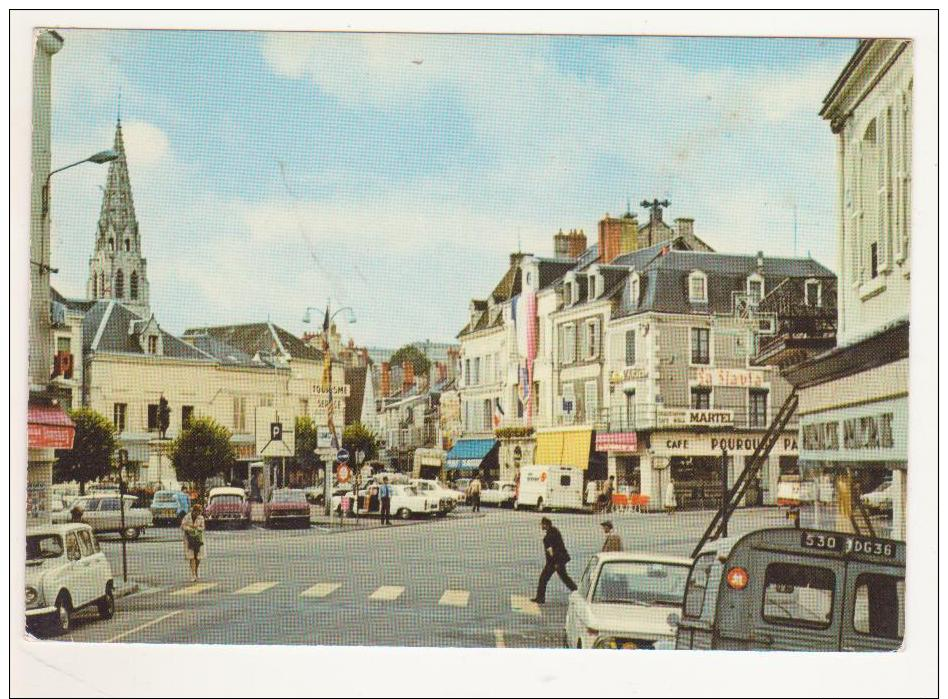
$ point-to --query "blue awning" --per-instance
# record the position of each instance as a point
(468, 454)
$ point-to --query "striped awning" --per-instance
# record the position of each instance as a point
(49, 427)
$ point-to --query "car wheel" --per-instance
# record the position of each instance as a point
(403, 513)
(62, 620)
(106, 605)
(540, 506)
(131, 533)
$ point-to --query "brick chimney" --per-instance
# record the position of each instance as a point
(385, 383)
(408, 375)
(561, 245)
(610, 239)
(577, 243)
(685, 227)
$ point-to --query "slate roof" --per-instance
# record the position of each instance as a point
(81, 305)
(110, 327)
(259, 339)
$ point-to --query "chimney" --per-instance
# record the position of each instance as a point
(408, 375)
(385, 383)
(686, 227)
(760, 261)
(610, 237)
(561, 245)
(576, 243)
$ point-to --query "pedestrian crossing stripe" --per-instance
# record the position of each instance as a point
(320, 590)
(455, 598)
(523, 605)
(194, 589)
(386, 593)
(255, 588)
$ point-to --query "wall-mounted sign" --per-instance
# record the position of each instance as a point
(736, 378)
(616, 441)
(872, 432)
(710, 443)
(687, 417)
(629, 373)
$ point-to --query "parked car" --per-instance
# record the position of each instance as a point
(103, 514)
(169, 506)
(437, 489)
(227, 506)
(286, 506)
(880, 499)
(406, 503)
(627, 600)
(65, 571)
(499, 493)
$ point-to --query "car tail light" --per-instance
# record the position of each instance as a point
(737, 578)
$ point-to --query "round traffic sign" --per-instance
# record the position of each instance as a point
(343, 473)
(342, 456)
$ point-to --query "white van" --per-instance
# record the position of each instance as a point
(550, 487)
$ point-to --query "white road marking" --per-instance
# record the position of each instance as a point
(386, 593)
(499, 639)
(255, 588)
(524, 605)
(142, 626)
(455, 598)
(194, 589)
(320, 590)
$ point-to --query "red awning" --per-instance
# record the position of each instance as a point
(49, 427)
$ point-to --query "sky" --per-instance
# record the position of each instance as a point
(396, 173)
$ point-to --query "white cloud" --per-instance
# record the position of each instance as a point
(146, 145)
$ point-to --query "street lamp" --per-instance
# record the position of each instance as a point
(350, 318)
(104, 156)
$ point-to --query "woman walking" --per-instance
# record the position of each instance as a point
(193, 526)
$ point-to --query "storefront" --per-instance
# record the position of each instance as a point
(623, 460)
(428, 463)
(470, 456)
(48, 428)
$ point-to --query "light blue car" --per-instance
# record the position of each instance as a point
(169, 506)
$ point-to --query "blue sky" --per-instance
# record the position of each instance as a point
(272, 171)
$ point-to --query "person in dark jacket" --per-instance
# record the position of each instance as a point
(556, 559)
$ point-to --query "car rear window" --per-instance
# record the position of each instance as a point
(697, 587)
(798, 595)
(226, 500)
(640, 582)
(879, 608)
(289, 496)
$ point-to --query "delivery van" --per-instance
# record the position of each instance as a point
(550, 488)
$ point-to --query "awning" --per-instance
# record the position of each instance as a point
(468, 454)
(564, 448)
(49, 427)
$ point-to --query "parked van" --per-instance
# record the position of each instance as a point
(550, 487)
(795, 589)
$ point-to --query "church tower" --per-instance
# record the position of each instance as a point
(117, 269)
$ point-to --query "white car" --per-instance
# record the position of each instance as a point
(879, 499)
(65, 571)
(500, 493)
(437, 489)
(406, 503)
(103, 513)
(627, 600)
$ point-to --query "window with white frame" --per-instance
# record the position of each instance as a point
(477, 370)
(700, 346)
(871, 183)
(635, 285)
(700, 398)
(629, 408)
(591, 396)
(813, 293)
(488, 368)
(240, 413)
(698, 287)
(568, 343)
(591, 345)
(755, 288)
(904, 181)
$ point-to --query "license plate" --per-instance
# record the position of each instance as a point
(842, 543)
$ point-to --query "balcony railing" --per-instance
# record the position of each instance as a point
(412, 437)
(801, 329)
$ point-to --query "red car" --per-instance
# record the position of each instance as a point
(287, 506)
(227, 507)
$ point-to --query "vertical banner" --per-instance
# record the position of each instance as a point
(525, 324)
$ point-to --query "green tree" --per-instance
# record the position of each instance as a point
(306, 443)
(358, 437)
(409, 353)
(202, 450)
(93, 449)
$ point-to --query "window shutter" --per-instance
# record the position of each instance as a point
(858, 255)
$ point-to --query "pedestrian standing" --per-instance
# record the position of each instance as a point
(75, 514)
(612, 542)
(474, 492)
(556, 559)
(671, 501)
(385, 501)
(192, 524)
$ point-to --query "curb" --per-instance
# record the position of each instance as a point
(126, 589)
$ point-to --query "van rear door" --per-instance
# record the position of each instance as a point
(801, 600)
(874, 613)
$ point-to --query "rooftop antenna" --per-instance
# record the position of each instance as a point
(794, 230)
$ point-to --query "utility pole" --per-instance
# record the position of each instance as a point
(724, 492)
(122, 461)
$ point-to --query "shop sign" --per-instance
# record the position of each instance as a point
(629, 373)
(246, 451)
(873, 432)
(735, 378)
(686, 417)
(616, 441)
(711, 444)
(337, 391)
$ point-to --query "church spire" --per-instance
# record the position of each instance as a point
(118, 208)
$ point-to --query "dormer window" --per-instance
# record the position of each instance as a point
(590, 287)
(755, 288)
(814, 293)
(698, 287)
(152, 344)
(635, 285)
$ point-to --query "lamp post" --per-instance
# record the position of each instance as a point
(122, 462)
(327, 358)
(103, 156)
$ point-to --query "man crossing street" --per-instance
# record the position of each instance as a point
(556, 559)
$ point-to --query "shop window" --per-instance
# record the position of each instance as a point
(700, 398)
(757, 408)
(879, 608)
(152, 417)
(700, 346)
(119, 411)
(798, 595)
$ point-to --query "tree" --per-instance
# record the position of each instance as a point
(306, 443)
(202, 450)
(92, 450)
(358, 437)
(409, 353)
